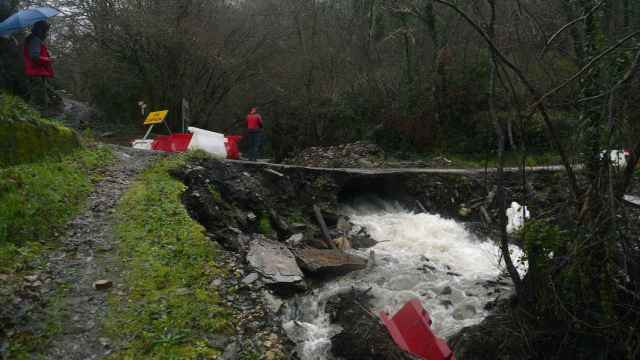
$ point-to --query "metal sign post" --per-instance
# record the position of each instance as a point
(186, 114)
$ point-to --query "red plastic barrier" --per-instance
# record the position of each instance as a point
(233, 151)
(172, 143)
(410, 328)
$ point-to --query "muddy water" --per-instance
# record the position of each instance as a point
(418, 256)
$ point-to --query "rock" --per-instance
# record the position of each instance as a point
(250, 279)
(218, 341)
(343, 243)
(295, 240)
(446, 303)
(104, 342)
(275, 263)
(31, 278)
(231, 352)
(35, 284)
(363, 336)
(252, 217)
(446, 291)
(102, 284)
(232, 239)
(464, 212)
(298, 227)
(273, 303)
(464, 312)
(328, 262)
(348, 155)
(362, 240)
(344, 225)
(216, 283)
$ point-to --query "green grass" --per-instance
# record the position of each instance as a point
(169, 308)
(264, 225)
(38, 199)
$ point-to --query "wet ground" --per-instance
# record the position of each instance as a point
(87, 255)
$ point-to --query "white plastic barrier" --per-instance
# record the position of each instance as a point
(618, 157)
(142, 144)
(208, 141)
(516, 217)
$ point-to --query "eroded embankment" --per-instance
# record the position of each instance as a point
(267, 216)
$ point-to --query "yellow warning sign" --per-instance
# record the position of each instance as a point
(156, 117)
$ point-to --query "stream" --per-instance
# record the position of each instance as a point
(418, 256)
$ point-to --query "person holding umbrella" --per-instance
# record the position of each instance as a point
(37, 59)
(38, 63)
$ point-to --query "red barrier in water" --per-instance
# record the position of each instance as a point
(173, 143)
(410, 328)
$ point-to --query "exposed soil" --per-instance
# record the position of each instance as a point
(65, 288)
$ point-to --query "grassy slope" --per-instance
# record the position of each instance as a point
(169, 263)
(38, 199)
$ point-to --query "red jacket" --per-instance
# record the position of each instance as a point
(254, 121)
(40, 68)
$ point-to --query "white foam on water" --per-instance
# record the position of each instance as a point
(406, 241)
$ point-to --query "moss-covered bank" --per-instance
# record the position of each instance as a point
(26, 137)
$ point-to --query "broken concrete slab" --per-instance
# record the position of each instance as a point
(328, 262)
(276, 263)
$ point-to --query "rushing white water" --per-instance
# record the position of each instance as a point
(450, 287)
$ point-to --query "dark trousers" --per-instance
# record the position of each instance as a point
(255, 140)
(38, 92)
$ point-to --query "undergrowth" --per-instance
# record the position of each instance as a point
(169, 308)
(38, 199)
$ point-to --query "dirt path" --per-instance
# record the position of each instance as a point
(88, 254)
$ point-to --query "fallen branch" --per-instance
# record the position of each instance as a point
(568, 25)
(323, 227)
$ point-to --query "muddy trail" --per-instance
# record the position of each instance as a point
(87, 255)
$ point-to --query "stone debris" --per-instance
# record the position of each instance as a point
(295, 240)
(250, 279)
(274, 261)
(464, 312)
(355, 155)
(328, 262)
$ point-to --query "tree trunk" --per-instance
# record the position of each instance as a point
(500, 131)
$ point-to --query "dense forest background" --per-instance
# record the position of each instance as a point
(411, 74)
(437, 76)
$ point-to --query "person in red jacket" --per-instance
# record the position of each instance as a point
(254, 128)
(37, 62)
